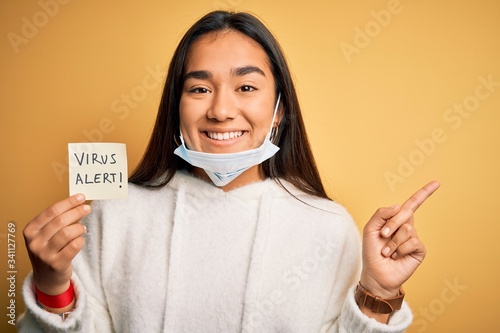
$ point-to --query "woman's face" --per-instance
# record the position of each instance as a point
(228, 96)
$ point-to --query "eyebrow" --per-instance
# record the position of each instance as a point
(239, 71)
(201, 75)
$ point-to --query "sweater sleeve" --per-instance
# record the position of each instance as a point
(91, 312)
(351, 319)
(36, 319)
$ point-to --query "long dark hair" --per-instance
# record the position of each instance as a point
(293, 163)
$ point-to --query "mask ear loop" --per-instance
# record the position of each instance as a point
(275, 111)
(274, 133)
(274, 129)
(175, 140)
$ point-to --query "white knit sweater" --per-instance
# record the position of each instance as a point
(191, 258)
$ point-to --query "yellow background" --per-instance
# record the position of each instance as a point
(368, 110)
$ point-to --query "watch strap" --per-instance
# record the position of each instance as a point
(376, 304)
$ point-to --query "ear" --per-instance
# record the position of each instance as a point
(279, 114)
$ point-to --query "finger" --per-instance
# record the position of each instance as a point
(59, 253)
(58, 269)
(379, 219)
(65, 236)
(404, 233)
(69, 252)
(64, 220)
(53, 211)
(417, 199)
(405, 215)
(412, 247)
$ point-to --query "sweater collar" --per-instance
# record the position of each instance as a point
(200, 188)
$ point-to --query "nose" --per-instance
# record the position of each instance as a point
(223, 107)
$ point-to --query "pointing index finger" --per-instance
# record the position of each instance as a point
(421, 195)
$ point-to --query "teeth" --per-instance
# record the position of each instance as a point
(224, 136)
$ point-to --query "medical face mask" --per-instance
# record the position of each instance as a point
(224, 168)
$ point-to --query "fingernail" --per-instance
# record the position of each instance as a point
(85, 229)
(386, 231)
(86, 208)
(80, 197)
(394, 255)
(386, 251)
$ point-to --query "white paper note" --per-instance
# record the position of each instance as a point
(98, 170)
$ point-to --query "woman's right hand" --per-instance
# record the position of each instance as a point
(53, 239)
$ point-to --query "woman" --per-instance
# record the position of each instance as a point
(227, 227)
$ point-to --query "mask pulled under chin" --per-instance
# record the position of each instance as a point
(224, 168)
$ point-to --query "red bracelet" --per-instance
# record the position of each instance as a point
(56, 301)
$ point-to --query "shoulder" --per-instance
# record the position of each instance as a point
(311, 212)
(300, 200)
(303, 225)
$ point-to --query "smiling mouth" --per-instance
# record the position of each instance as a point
(220, 136)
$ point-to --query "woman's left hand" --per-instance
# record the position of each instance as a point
(392, 250)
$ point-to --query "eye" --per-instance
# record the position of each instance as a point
(199, 90)
(247, 88)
